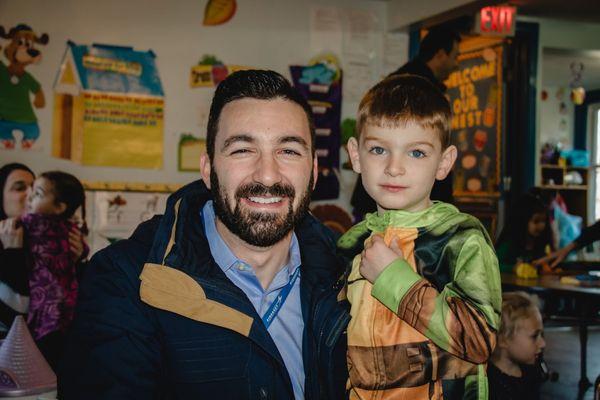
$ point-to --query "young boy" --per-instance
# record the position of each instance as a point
(424, 287)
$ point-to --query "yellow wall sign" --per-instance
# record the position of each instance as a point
(112, 65)
(212, 75)
(106, 129)
(115, 122)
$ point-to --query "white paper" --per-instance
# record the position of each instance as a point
(395, 52)
(325, 31)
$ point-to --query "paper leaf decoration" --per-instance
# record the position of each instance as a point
(218, 12)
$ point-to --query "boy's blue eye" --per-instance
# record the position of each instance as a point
(416, 154)
(377, 150)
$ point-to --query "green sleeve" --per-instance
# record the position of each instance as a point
(463, 318)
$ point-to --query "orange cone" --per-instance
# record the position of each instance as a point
(23, 369)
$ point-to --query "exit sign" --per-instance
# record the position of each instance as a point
(496, 21)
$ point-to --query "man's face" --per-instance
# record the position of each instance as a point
(400, 164)
(450, 62)
(263, 170)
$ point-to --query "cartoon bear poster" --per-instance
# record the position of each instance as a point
(19, 90)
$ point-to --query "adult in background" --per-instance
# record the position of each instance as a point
(15, 182)
(232, 293)
(588, 236)
(437, 58)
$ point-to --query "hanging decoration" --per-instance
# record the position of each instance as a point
(577, 90)
(321, 86)
(218, 12)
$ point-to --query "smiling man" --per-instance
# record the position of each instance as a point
(232, 293)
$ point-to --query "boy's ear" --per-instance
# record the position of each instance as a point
(205, 169)
(446, 163)
(353, 153)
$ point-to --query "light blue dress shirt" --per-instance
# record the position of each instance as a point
(287, 328)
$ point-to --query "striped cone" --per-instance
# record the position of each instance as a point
(23, 369)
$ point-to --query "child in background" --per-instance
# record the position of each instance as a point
(424, 286)
(51, 204)
(527, 234)
(512, 372)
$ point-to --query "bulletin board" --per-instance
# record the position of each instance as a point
(475, 94)
(115, 209)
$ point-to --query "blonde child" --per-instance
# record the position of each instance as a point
(424, 285)
(512, 373)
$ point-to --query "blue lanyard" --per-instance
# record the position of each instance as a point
(276, 305)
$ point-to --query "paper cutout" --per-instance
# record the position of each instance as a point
(210, 71)
(218, 12)
(190, 149)
(17, 85)
(108, 107)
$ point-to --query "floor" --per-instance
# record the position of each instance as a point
(562, 356)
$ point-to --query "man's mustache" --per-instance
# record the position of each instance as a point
(258, 189)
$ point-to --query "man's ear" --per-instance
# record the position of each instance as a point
(446, 163)
(205, 169)
(353, 153)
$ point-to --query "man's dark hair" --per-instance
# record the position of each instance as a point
(436, 39)
(255, 84)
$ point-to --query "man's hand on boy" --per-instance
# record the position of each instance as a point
(376, 256)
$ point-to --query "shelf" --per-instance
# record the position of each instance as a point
(564, 187)
(568, 167)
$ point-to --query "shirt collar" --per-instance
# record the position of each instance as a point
(223, 255)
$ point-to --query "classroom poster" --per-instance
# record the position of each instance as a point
(108, 107)
(20, 92)
(114, 216)
(321, 86)
(475, 94)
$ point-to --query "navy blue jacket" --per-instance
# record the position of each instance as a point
(158, 319)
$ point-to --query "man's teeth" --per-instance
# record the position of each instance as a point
(265, 200)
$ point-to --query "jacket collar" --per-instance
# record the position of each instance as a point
(181, 275)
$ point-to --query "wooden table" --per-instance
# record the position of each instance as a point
(587, 299)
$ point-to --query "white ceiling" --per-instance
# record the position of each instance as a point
(556, 67)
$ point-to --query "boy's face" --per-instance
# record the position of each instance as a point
(400, 164)
(526, 344)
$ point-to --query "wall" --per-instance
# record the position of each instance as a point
(558, 34)
(267, 34)
(557, 122)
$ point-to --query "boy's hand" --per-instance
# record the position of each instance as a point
(376, 256)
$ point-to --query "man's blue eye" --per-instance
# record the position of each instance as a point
(417, 154)
(377, 150)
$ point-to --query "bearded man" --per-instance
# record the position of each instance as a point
(232, 293)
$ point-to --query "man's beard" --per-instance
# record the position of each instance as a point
(262, 229)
